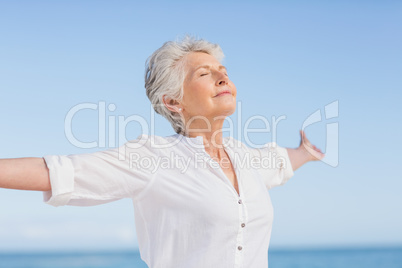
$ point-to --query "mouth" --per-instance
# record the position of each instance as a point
(222, 93)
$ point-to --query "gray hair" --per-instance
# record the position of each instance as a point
(164, 74)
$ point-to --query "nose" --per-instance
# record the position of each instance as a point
(222, 80)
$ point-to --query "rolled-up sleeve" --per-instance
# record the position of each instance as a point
(61, 173)
(275, 168)
(100, 177)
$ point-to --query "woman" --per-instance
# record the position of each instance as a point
(200, 200)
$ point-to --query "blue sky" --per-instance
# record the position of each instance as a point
(286, 58)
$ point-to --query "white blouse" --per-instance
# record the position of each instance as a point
(187, 212)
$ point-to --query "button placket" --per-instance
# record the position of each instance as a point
(242, 212)
(239, 255)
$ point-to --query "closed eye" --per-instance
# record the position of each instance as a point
(204, 74)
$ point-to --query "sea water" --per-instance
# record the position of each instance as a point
(324, 258)
(336, 258)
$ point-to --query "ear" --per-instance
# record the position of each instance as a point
(171, 104)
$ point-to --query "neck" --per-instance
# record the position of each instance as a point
(210, 131)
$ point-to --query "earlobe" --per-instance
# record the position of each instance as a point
(171, 104)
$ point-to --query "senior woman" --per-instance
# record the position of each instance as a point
(201, 200)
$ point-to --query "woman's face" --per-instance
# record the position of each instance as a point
(207, 88)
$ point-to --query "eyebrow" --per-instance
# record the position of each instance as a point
(208, 67)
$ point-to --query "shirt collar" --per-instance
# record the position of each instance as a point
(197, 142)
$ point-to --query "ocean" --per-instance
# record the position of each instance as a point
(324, 258)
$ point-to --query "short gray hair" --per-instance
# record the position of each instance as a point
(164, 74)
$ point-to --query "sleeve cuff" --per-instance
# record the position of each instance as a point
(281, 163)
(61, 173)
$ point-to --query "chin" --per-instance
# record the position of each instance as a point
(227, 111)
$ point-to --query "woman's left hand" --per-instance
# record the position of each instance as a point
(314, 153)
(306, 152)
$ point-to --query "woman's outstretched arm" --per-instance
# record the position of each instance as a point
(24, 174)
(304, 153)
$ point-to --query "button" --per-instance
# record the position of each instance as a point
(243, 224)
(239, 201)
(239, 248)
